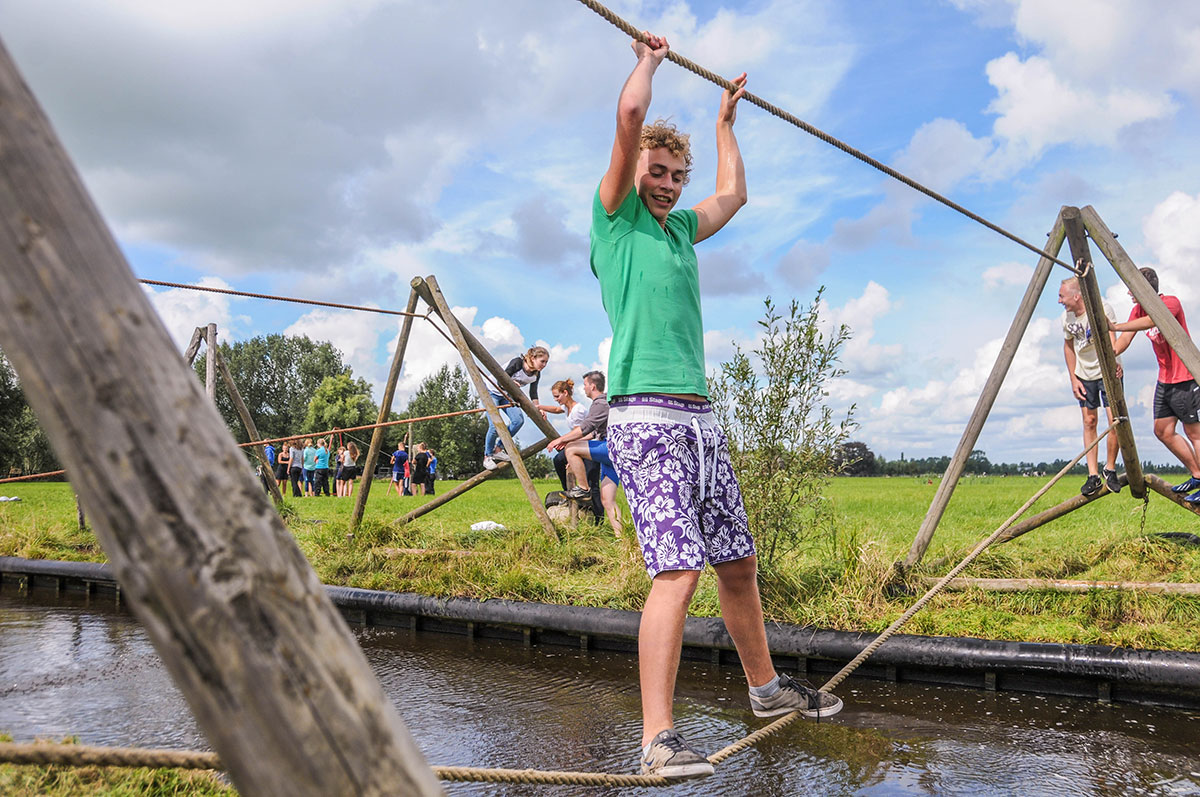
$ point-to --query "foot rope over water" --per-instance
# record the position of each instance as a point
(80, 755)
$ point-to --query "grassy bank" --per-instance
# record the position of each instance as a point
(835, 581)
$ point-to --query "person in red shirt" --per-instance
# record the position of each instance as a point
(1176, 397)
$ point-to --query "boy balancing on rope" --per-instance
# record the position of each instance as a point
(672, 459)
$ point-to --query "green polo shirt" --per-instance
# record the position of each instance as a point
(650, 285)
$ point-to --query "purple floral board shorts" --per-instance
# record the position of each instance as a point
(674, 463)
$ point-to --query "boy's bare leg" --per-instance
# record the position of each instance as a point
(608, 499)
(660, 642)
(1090, 420)
(576, 453)
(741, 609)
(1177, 444)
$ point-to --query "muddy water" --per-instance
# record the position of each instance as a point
(67, 668)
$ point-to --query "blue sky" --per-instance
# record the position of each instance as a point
(333, 149)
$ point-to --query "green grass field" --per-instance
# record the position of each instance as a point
(835, 581)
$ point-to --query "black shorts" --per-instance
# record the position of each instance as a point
(1094, 394)
(1177, 400)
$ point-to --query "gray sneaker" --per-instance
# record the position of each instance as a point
(489, 463)
(793, 696)
(671, 756)
(501, 456)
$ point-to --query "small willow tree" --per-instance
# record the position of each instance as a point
(783, 437)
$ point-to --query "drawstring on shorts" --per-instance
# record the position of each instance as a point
(711, 478)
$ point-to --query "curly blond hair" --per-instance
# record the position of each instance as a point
(664, 134)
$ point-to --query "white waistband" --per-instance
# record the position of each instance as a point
(643, 413)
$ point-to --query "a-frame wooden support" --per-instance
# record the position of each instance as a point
(214, 363)
(1073, 225)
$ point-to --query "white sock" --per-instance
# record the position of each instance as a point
(767, 689)
(646, 750)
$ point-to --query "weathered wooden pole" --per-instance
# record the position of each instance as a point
(210, 362)
(962, 584)
(1146, 296)
(493, 412)
(266, 663)
(189, 356)
(1055, 512)
(489, 362)
(469, 484)
(987, 398)
(385, 408)
(251, 428)
(1089, 288)
(1162, 488)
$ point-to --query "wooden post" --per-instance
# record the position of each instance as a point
(1162, 488)
(469, 484)
(1089, 288)
(210, 362)
(385, 408)
(248, 422)
(485, 357)
(1146, 296)
(266, 663)
(983, 406)
(485, 396)
(1055, 512)
(79, 515)
(189, 356)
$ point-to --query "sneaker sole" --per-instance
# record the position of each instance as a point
(700, 769)
(827, 711)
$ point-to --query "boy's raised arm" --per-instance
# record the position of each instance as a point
(631, 114)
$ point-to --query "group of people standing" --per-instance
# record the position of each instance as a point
(414, 475)
(311, 467)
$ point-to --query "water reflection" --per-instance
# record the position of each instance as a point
(74, 669)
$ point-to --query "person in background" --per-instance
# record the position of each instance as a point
(321, 468)
(564, 393)
(349, 469)
(399, 460)
(524, 370)
(1176, 396)
(586, 445)
(420, 469)
(308, 462)
(339, 470)
(296, 468)
(283, 462)
(1083, 369)
(432, 472)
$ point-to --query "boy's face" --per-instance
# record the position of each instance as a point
(659, 180)
(1070, 299)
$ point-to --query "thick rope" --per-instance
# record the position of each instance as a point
(41, 754)
(844, 673)
(712, 77)
(229, 292)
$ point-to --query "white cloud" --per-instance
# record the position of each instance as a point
(1007, 275)
(355, 334)
(862, 358)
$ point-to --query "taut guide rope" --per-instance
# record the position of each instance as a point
(713, 77)
(78, 755)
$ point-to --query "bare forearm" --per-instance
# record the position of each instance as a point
(731, 171)
(634, 102)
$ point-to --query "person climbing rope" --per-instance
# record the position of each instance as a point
(670, 455)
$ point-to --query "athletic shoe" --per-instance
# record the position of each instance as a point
(1191, 484)
(489, 463)
(1091, 486)
(1194, 498)
(793, 696)
(1111, 481)
(578, 493)
(501, 456)
(670, 756)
